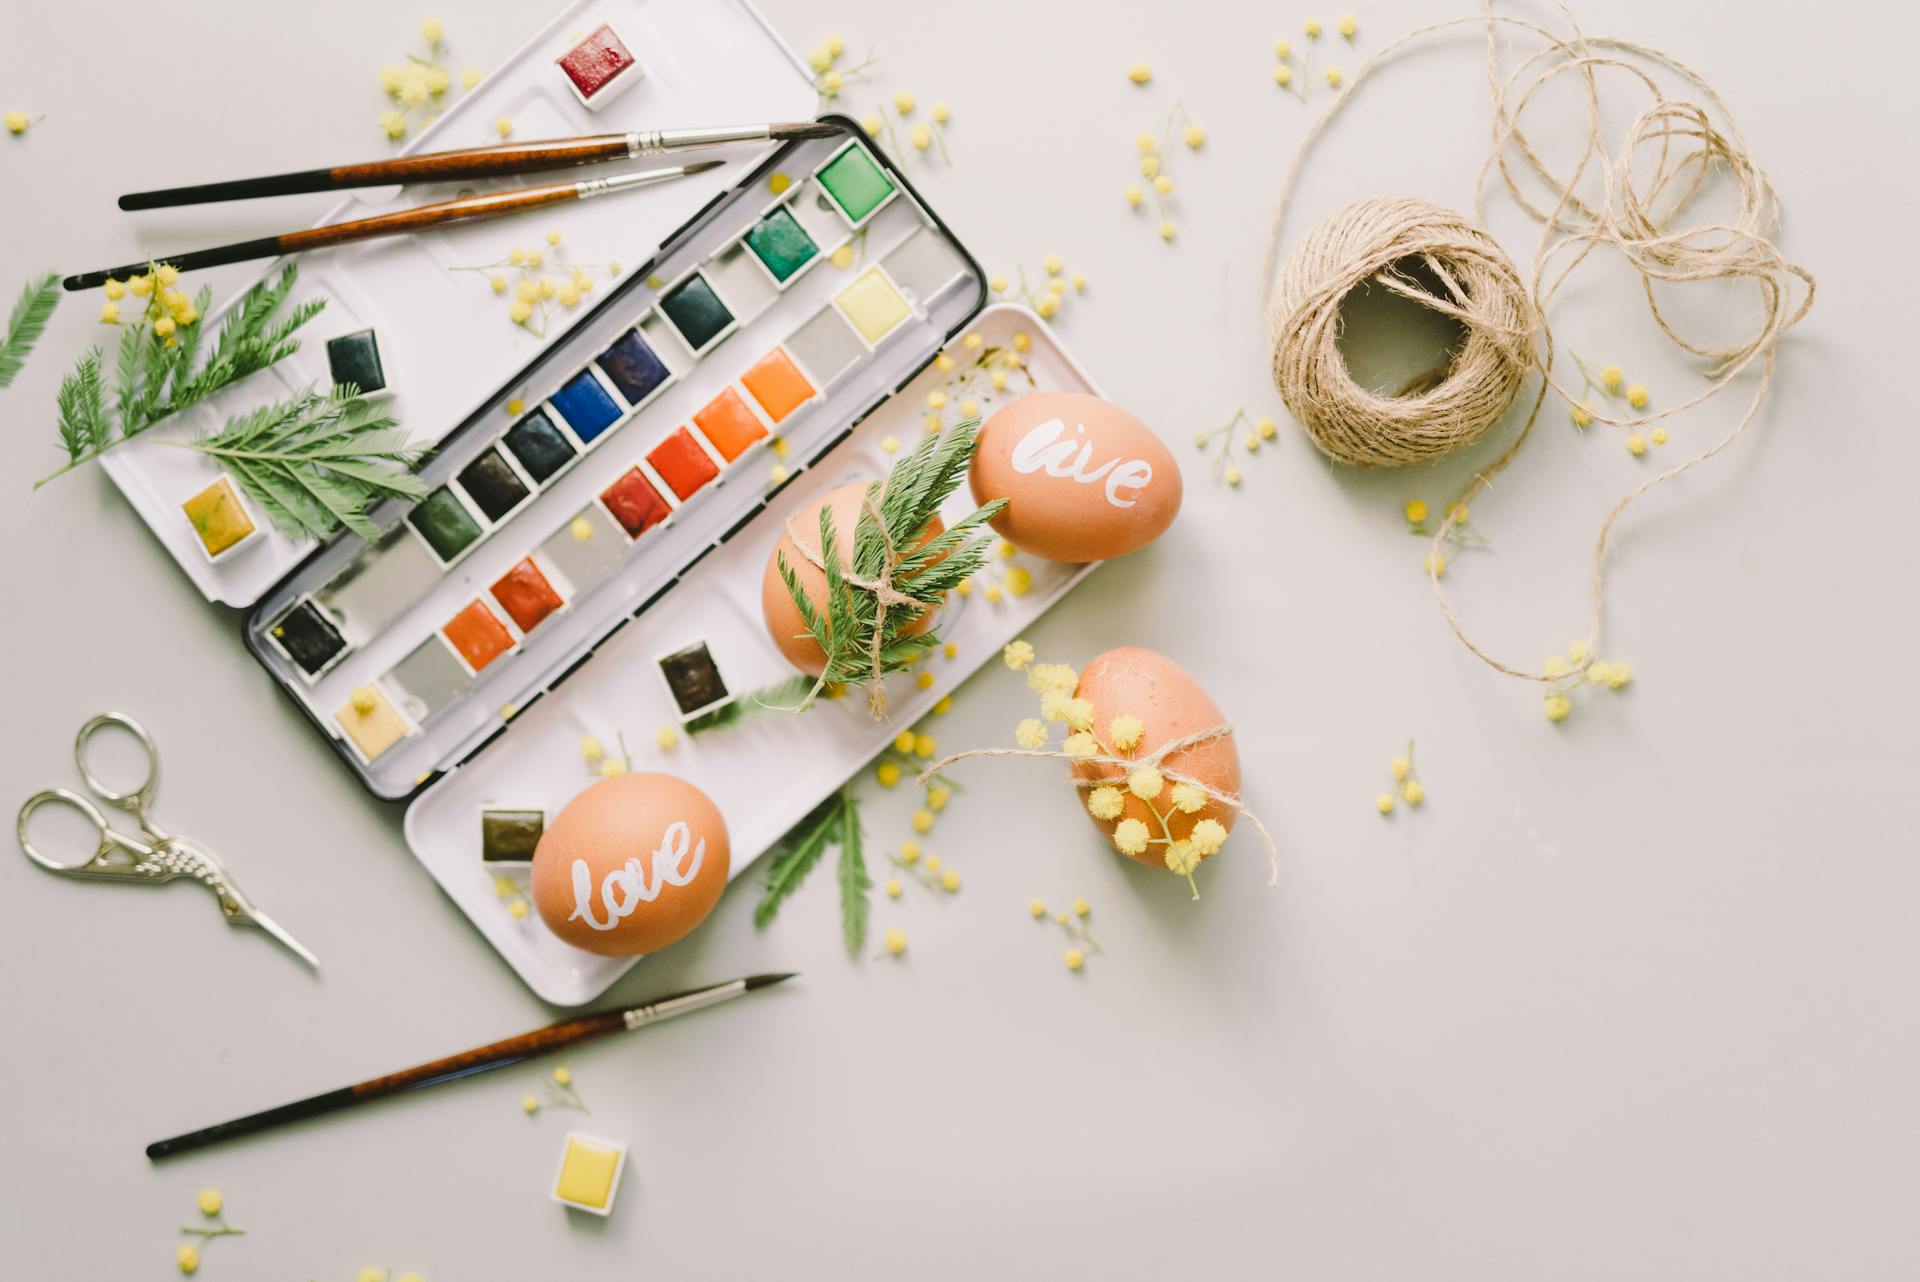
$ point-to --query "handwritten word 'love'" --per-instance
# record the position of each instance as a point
(627, 887)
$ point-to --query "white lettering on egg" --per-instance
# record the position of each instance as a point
(627, 887)
(1043, 450)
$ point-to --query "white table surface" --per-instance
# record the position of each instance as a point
(1631, 997)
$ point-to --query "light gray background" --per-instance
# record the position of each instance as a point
(1632, 996)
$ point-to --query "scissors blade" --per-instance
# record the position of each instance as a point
(292, 945)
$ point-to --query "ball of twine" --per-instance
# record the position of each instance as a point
(1467, 277)
(1638, 198)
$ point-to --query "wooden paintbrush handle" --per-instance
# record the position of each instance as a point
(481, 162)
(508, 1050)
(446, 213)
(437, 166)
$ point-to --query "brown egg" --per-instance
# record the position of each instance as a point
(631, 865)
(1084, 480)
(784, 623)
(1170, 705)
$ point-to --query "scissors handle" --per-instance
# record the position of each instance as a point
(137, 800)
(116, 858)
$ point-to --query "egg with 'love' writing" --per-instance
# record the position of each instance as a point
(631, 865)
(1084, 480)
(1170, 706)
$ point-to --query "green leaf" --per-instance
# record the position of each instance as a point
(317, 462)
(799, 851)
(26, 323)
(854, 881)
(779, 695)
(81, 405)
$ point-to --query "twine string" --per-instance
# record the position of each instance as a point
(1157, 759)
(1646, 188)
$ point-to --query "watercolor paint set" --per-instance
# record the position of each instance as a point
(414, 319)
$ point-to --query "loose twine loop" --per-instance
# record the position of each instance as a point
(1156, 759)
(1645, 190)
(885, 595)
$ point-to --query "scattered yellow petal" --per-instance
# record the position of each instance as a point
(1194, 136)
(1416, 511)
(187, 1257)
(895, 941)
(17, 122)
(1139, 73)
(950, 880)
(1075, 959)
(1282, 74)
(504, 127)
(1349, 25)
(1333, 76)
(923, 821)
(1384, 803)
(1036, 907)
(1166, 231)
(893, 888)
(209, 1201)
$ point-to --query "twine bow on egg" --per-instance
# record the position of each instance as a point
(1155, 759)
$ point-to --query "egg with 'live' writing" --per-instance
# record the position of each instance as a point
(1170, 705)
(1084, 480)
(631, 865)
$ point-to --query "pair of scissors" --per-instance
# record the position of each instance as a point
(157, 858)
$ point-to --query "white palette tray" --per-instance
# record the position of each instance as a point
(445, 340)
(766, 771)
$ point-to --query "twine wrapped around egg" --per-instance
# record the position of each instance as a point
(1372, 242)
(1635, 199)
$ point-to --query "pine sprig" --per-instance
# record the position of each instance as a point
(907, 504)
(26, 322)
(766, 699)
(834, 822)
(155, 376)
(854, 881)
(316, 462)
(799, 851)
(83, 418)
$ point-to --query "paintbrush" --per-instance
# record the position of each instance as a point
(511, 1050)
(479, 162)
(447, 213)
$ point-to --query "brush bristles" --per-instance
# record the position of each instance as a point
(763, 981)
(791, 130)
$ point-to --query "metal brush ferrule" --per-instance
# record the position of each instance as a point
(667, 1009)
